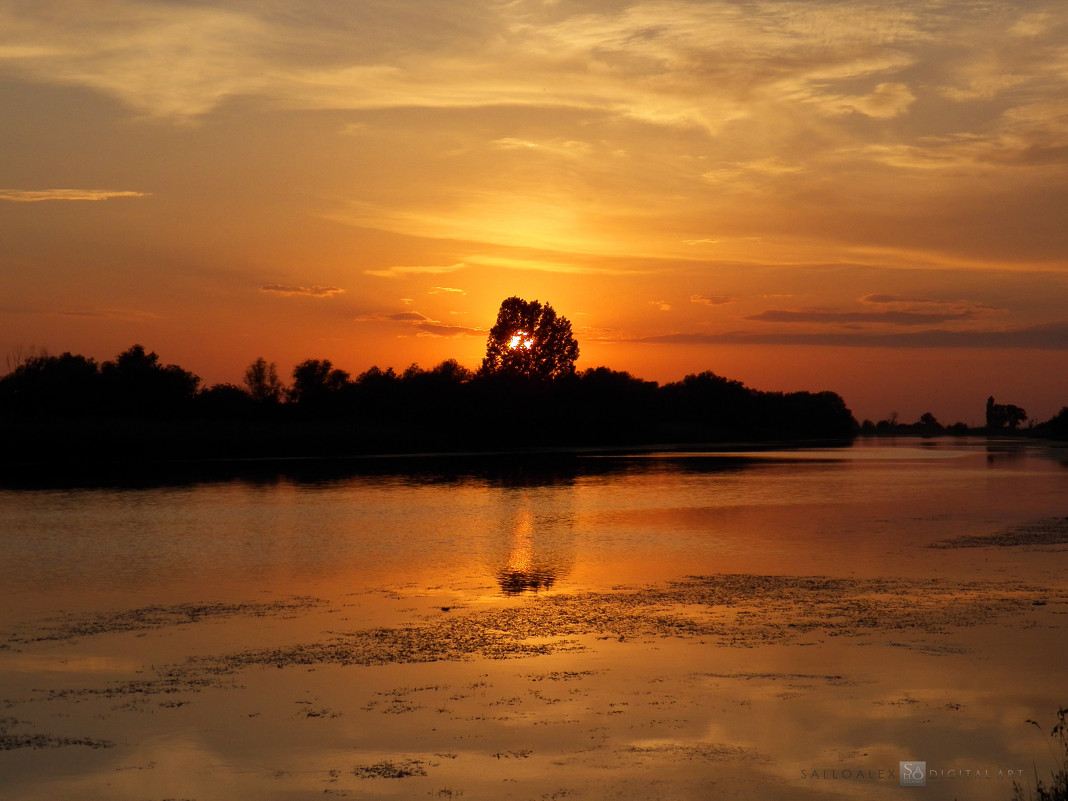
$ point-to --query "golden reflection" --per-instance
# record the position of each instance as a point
(533, 563)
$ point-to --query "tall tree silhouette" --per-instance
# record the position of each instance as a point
(1000, 415)
(262, 382)
(530, 340)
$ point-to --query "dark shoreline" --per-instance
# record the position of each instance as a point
(521, 465)
(515, 465)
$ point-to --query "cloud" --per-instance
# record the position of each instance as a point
(445, 290)
(911, 303)
(712, 300)
(311, 291)
(568, 148)
(662, 305)
(407, 317)
(885, 101)
(39, 196)
(881, 299)
(904, 318)
(127, 315)
(1046, 336)
(434, 329)
(552, 263)
(405, 270)
(425, 326)
(666, 62)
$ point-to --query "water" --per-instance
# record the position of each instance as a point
(583, 523)
(395, 544)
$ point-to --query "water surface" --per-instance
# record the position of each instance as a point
(683, 621)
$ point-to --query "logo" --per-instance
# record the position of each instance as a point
(913, 774)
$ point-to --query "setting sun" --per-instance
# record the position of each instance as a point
(521, 340)
(861, 198)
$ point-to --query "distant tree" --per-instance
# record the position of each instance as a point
(530, 340)
(66, 385)
(1056, 427)
(315, 380)
(137, 384)
(377, 391)
(928, 425)
(225, 402)
(452, 371)
(999, 416)
(20, 354)
(262, 382)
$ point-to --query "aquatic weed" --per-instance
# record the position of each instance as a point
(1058, 744)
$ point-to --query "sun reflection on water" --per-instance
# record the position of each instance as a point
(532, 565)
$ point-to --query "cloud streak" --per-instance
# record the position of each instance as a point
(47, 195)
(901, 318)
(401, 271)
(1048, 336)
(307, 291)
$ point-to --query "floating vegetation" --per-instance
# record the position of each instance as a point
(150, 617)
(388, 769)
(705, 752)
(10, 741)
(738, 610)
(1048, 531)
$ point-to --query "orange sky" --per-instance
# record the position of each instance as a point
(863, 197)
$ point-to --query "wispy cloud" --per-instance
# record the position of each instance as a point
(310, 291)
(127, 315)
(411, 317)
(712, 300)
(44, 195)
(423, 325)
(406, 270)
(1048, 336)
(905, 318)
(433, 329)
(445, 290)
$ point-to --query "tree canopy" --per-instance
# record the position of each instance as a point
(530, 340)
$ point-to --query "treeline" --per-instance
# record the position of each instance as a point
(1001, 418)
(134, 405)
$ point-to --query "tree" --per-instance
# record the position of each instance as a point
(531, 341)
(1000, 415)
(261, 379)
(137, 384)
(314, 380)
(65, 385)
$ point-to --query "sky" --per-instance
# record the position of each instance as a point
(863, 197)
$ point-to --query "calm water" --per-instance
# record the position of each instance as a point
(791, 676)
(587, 522)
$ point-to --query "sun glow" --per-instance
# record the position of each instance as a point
(521, 340)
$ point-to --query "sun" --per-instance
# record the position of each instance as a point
(521, 340)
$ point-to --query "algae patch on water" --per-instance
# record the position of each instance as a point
(1047, 531)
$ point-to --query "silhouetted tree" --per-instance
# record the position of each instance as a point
(137, 384)
(315, 381)
(261, 379)
(66, 385)
(999, 416)
(1056, 427)
(928, 425)
(225, 402)
(530, 340)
